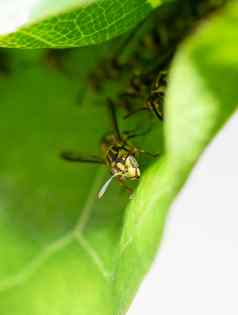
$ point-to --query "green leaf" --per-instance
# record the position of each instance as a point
(38, 24)
(58, 241)
(63, 252)
(201, 97)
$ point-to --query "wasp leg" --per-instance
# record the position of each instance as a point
(135, 111)
(126, 104)
(157, 114)
(75, 157)
(129, 95)
(130, 134)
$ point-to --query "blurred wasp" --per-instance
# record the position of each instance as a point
(146, 92)
(112, 68)
(154, 101)
(5, 64)
(118, 154)
(130, 55)
(56, 59)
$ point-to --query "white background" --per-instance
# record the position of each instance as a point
(196, 270)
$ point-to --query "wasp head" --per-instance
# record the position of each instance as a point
(127, 167)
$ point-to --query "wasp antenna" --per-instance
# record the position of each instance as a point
(112, 110)
(106, 185)
(75, 157)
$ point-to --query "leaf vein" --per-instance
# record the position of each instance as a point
(35, 264)
(94, 256)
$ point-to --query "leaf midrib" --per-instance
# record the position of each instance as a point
(75, 235)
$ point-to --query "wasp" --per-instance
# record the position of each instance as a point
(149, 91)
(111, 68)
(146, 90)
(123, 61)
(119, 155)
(107, 70)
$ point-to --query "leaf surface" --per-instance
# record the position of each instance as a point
(202, 95)
(62, 250)
(41, 23)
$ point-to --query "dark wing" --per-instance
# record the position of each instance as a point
(77, 157)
